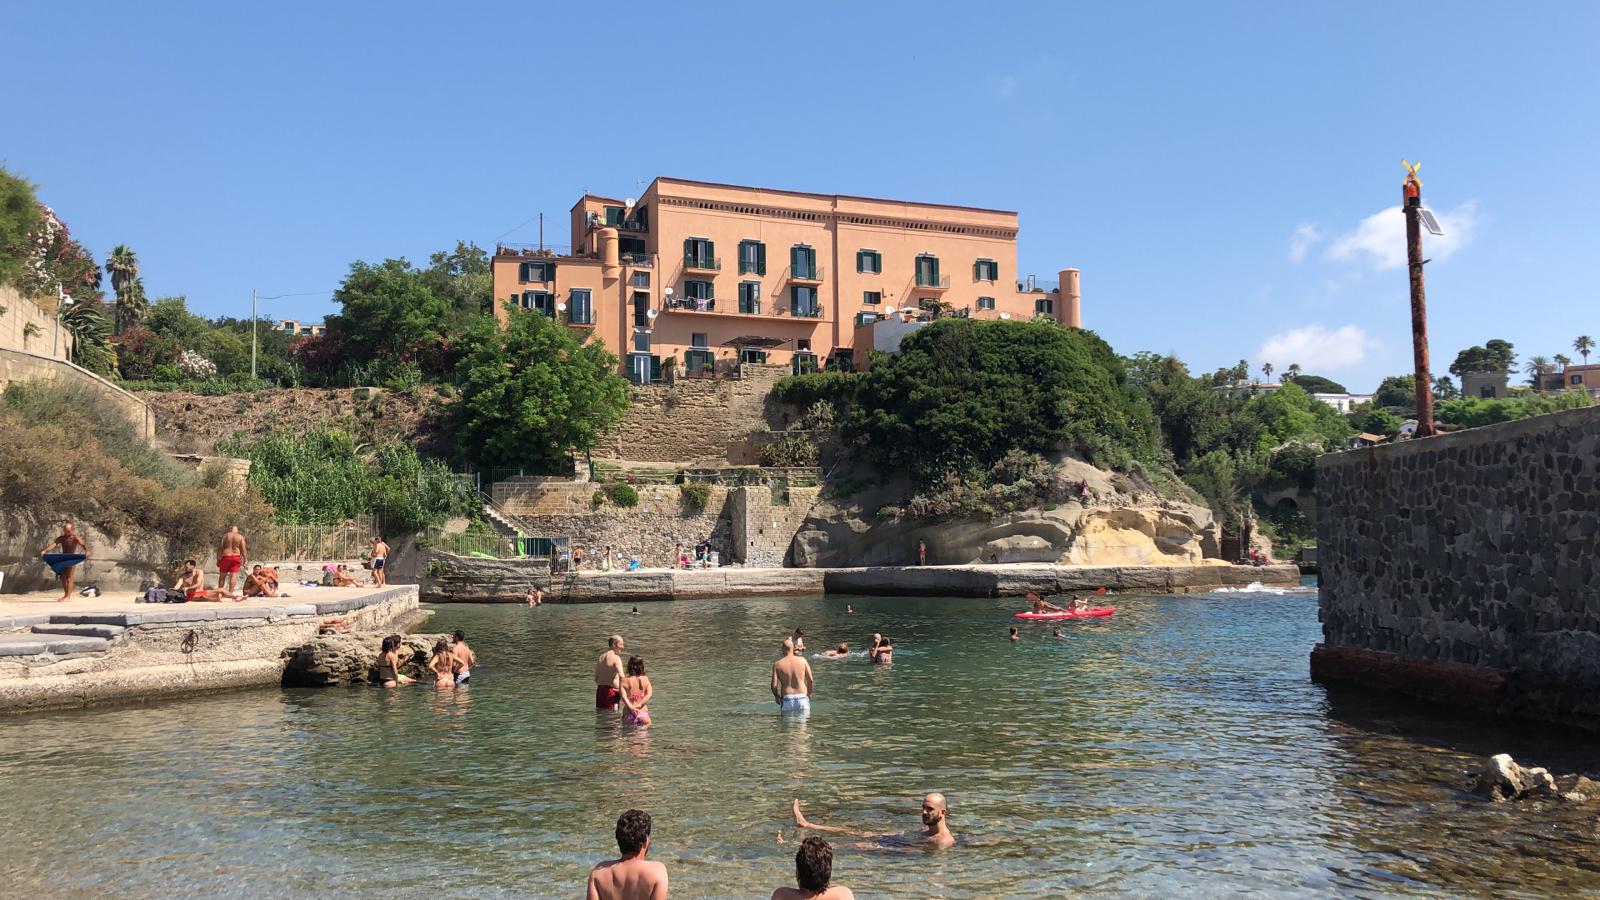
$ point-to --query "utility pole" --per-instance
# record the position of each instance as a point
(1411, 193)
(252, 334)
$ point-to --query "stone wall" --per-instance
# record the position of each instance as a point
(18, 365)
(650, 529)
(762, 528)
(1474, 551)
(127, 563)
(693, 420)
(17, 313)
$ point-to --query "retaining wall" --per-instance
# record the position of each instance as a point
(693, 419)
(1465, 566)
(20, 365)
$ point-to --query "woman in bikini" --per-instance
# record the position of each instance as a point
(636, 694)
(882, 651)
(389, 674)
(444, 665)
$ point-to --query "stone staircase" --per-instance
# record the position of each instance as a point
(505, 522)
(45, 634)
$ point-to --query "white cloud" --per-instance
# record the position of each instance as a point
(1380, 239)
(1317, 349)
(1301, 241)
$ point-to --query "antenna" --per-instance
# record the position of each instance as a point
(1429, 222)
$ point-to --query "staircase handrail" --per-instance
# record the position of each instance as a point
(516, 521)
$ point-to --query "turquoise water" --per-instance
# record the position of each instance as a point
(1177, 747)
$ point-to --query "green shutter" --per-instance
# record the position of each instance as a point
(711, 253)
(861, 260)
(688, 248)
(935, 271)
(761, 259)
(550, 272)
(794, 261)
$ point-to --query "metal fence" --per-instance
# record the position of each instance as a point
(351, 540)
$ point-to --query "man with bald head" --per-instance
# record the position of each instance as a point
(935, 829)
(608, 675)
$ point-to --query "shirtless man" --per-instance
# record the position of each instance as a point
(65, 563)
(631, 877)
(231, 558)
(1040, 605)
(192, 582)
(464, 656)
(534, 597)
(608, 678)
(935, 828)
(792, 681)
(259, 584)
(380, 557)
(813, 870)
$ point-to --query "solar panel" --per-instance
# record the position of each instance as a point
(1428, 221)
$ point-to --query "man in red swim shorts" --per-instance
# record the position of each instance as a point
(231, 553)
(608, 675)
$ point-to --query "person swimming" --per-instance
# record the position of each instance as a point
(840, 652)
(1014, 634)
(1057, 633)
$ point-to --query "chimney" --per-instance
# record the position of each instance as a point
(1071, 312)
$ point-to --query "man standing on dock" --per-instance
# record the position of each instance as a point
(380, 558)
(608, 675)
(73, 552)
(792, 681)
(231, 558)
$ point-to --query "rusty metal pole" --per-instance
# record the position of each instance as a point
(1412, 203)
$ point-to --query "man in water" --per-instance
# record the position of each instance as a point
(1057, 633)
(813, 870)
(608, 676)
(1040, 605)
(231, 558)
(73, 552)
(534, 597)
(1014, 633)
(935, 827)
(631, 877)
(792, 681)
(799, 638)
(380, 557)
(464, 656)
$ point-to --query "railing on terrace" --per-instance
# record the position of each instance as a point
(533, 250)
(800, 476)
(537, 548)
(350, 540)
(806, 312)
(804, 273)
(703, 263)
(1037, 284)
(697, 304)
(928, 282)
(638, 260)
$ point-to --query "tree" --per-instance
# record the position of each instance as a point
(1562, 362)
(463, 277)
(86, 321)
(1266, 370)
(20, 221)
(389, 313)
(1583, 345)
(1381, 421)
(1316, 384)
(1397, 392)
(123, 267)
(1494, 356)
(1225, 479)
(535, 392)
(1241, 372)
(1290, 414)
(1536, 368)
(1293, 371)
(1444, 388)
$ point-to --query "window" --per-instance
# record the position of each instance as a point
(750, 297)
(802, 261)
(842, 361)
(699, 253)
(803, 344)
(1486, 392)
(542, 272)
(872, 298)
(985, 270)
(640, 279)
(697, 290)
(1577, 379)
(927, 270)
(752, 355)
(803, 363)
(641, 310)
(699, 359)
(632, 245)
(803, 302)
(986, 303)
(540, 301)
(752, 257)
(1044, 307)
(869, 261)
(613, 215)
(641, 366)
(580, 307)
(698, 339)
(641, 340)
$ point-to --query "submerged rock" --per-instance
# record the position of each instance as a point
(331, 659)
(1502, 779)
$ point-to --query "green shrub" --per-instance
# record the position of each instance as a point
(886, 513)
(790, 451)
(623, 495)
(598, 500)
(695, 495)
(165, 372)
(838, 389)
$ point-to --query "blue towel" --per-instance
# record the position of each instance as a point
(61, 562)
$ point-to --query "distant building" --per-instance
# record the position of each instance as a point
(1572, 378)
(1344, 402)
(1486, 385)
(296, 328)
(1366, 439)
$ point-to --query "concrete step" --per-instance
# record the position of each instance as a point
(60, 645)
(104, 632)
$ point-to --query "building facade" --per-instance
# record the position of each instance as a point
(297, 328)
(694, 278)
(1584, 378)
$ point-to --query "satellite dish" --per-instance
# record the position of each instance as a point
(652, 314)
(1005, 315)
(628, 203)
(888, 310)
(561, 307)
(1429, 222)
(667, 291)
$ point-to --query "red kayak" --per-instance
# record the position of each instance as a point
(1091, 613)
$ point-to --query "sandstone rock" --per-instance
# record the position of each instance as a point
(1501, 779)
(332, 659)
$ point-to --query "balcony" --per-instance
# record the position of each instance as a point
(805, 274)
(702, 264)
(631, 225)
(638, 260)
(807, 312)
(692, 304)
(930, 283)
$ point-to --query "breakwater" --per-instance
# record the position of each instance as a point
(1461, 568)
(57, 657)
(473, 580)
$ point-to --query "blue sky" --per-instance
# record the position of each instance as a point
(1219, 173)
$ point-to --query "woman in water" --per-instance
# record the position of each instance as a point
(636, 694)
(389, 674)
(882, 650)
(444, 665)
(842, 651)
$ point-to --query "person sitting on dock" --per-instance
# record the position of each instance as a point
(259, 584)
(193, 584)
(935, 827)
(464, 655)
(1040, 605)
(343, 578)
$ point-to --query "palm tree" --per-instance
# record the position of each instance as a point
(132, 306)
(1536, 367)
(1583, 345)
(123, 267)
(1562, 362)
(1294, 371)
(86, 322)
(1266, 371)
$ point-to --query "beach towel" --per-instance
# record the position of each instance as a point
(60, 562)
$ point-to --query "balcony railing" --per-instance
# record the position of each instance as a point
(750, 308)
(638, 260)
(631, 225)
(806, 273)
(926, 282)
(532, 251)
(693, 304)
(702, 263)
(807, 312)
